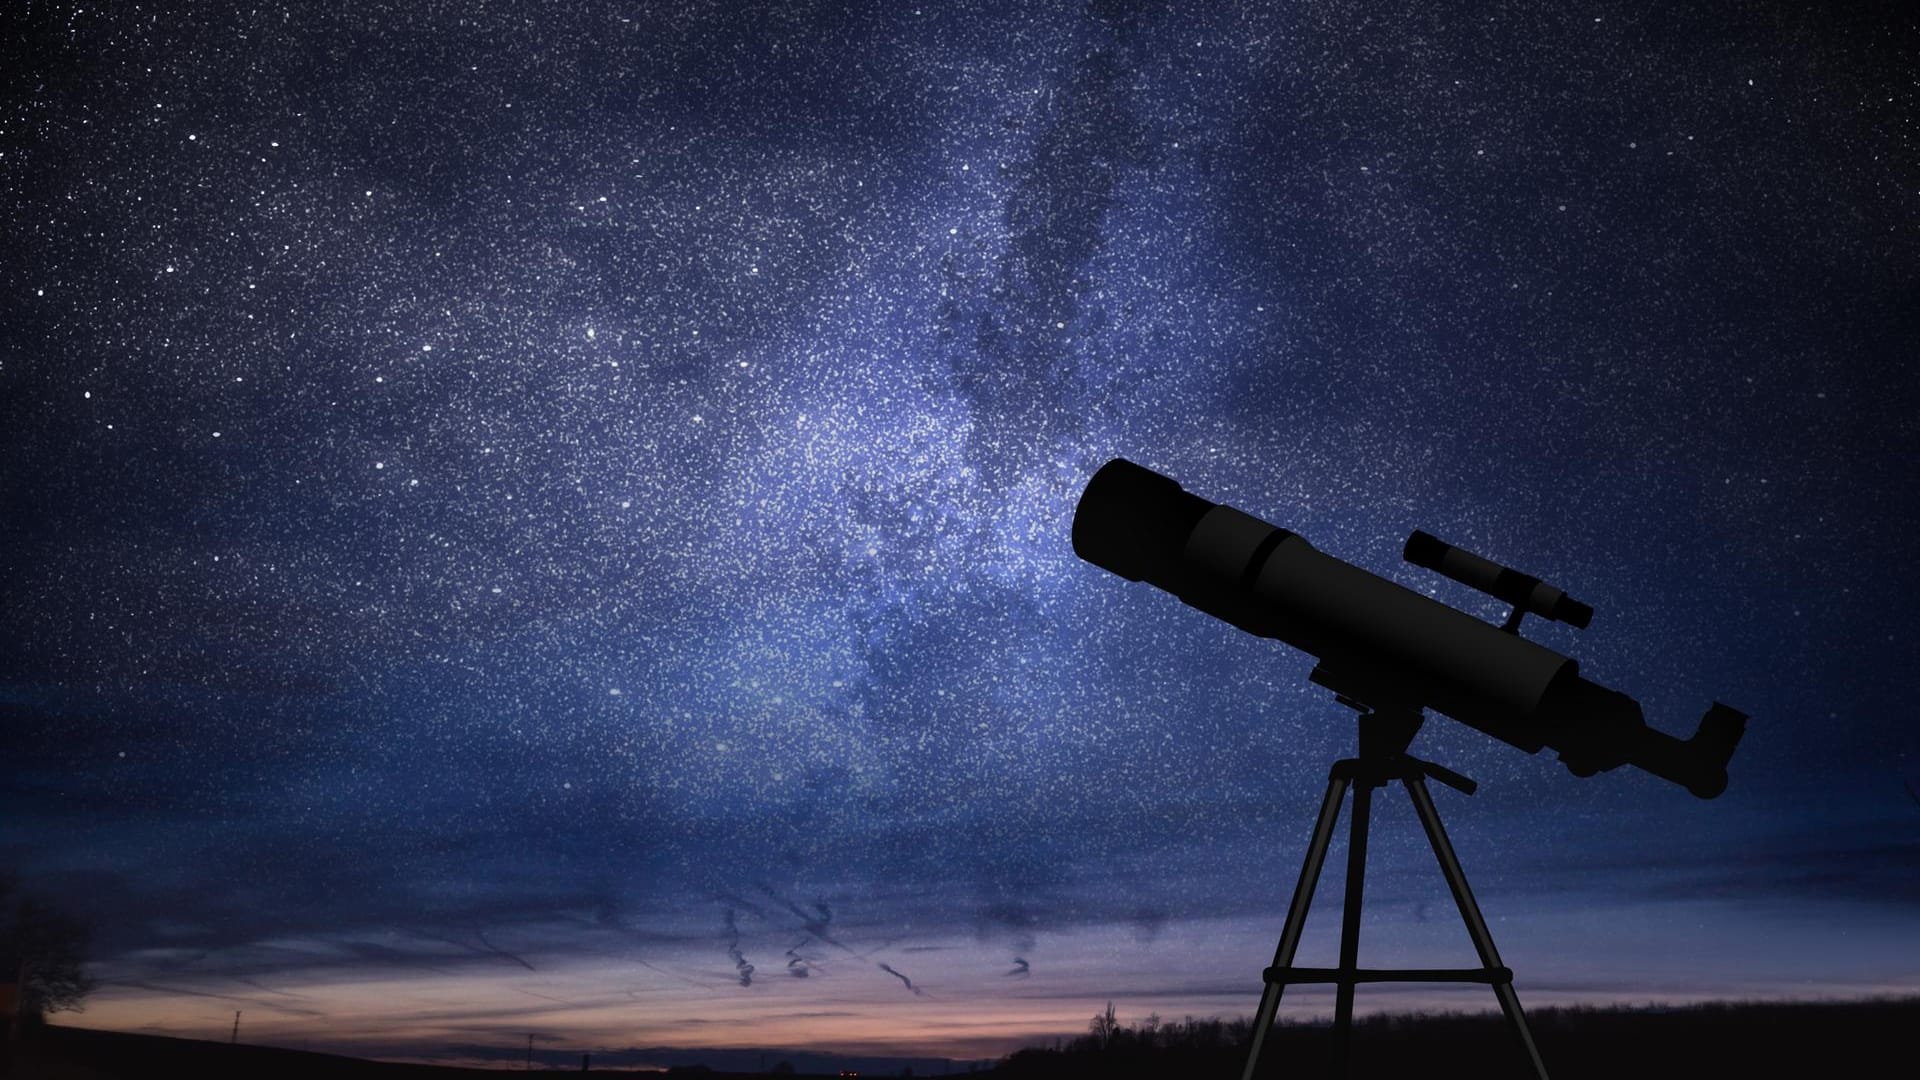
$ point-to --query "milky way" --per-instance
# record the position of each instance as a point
(491, 488)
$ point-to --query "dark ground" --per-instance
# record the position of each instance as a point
(1695, 1043)
(1730, 1040)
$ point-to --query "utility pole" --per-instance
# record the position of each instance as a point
(236, 1029)
(529, 1051)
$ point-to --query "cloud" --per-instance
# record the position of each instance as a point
(815, 922)
(917, 992)
(733, 950)
(1148, 923)
(1874, 866)
(483, 948)
(251, 1001)
(1013, 919)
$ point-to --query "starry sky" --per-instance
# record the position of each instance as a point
(554, 518)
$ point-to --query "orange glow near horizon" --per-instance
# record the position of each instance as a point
(969, 1007)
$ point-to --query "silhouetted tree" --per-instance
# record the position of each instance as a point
(1103, 1027)
(46, 951)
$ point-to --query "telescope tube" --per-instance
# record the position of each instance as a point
(1410, 648)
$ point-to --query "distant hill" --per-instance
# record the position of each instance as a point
(70, 1053)
(65, 1053)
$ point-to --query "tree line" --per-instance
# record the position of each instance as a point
(1113, 1048)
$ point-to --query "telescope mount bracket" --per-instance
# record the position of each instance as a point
(1387, 726)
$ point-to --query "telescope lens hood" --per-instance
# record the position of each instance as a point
(1134, 522)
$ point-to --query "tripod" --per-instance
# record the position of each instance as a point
(1384, 736)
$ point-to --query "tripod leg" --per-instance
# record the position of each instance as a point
(1470, 914)
(1350, 928)
(1297, 914)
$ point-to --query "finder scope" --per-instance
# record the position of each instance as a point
(1408, 649)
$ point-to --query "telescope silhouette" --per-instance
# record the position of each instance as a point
(1382, 645)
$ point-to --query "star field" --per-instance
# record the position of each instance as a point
(508, 502)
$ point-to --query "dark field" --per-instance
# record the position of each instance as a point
(1698, 1042)
(1733, 1040)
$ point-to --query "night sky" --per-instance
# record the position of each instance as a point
(554, 518)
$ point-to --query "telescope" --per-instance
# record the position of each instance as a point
(1381, 645)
